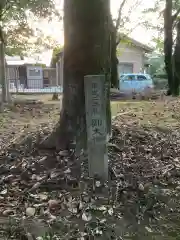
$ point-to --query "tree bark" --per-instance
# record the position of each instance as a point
(177, 62)
(86, 52)
(114, 60)
(3, 82)
(3, 72)
(168, 43)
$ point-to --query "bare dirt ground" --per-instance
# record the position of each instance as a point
(48, 195)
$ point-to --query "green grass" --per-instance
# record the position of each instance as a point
(157, 113)
(115, 108)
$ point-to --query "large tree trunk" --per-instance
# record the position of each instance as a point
(177, 62)
(86, 52)
(168, 42)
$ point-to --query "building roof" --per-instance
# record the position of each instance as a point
(17, 61)
(14, 60)
(136, 43)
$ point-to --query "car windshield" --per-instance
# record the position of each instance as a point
(134, 77)
(141, 77)
(129, 77)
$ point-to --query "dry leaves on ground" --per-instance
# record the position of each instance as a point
(50, 194)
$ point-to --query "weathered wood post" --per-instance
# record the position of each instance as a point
(95, 101)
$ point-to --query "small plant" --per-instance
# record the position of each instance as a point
(49, 236)
(55, 97)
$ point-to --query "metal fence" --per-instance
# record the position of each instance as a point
(32, 79)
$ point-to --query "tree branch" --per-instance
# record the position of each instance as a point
(119, 14)
(119, 38)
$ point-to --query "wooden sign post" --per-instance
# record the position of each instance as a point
(95, 102)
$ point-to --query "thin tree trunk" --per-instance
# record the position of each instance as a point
(168, 43)
(177, 62)
(3, 73)
(86, 52)
(114, 60)
(2, 59)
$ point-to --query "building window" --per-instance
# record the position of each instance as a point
(125, 68)
(34, 72)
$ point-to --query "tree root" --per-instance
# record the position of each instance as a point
(58, 140)
(49, 142)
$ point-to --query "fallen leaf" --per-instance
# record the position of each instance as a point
(103, 220)
(111, 211)
(35, 186)
(98, 231)
(63, 153)
(34, 177)
(81, 205)
(41, 161)
(73, 210)
(39, 238)
(30, 212)
(42, 196)
(67, 171)
(8, 212)
(53, 203)
(86, 217)
(52, 218)
(148, 229)
(4, 192)
(102, 208)
(141, 187)
(98, 184)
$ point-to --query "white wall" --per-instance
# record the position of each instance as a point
(128, 54)
(35, 81)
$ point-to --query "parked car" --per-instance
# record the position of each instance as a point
(136, 82)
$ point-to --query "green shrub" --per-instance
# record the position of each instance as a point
(160, 83)
(160, 76)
